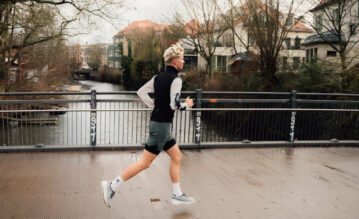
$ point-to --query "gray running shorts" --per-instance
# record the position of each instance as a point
(160, 137)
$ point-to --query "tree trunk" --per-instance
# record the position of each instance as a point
(343, 70)
(269, 68)
(209, 67)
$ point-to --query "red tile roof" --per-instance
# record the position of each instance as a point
(140, 26)
(300, 27)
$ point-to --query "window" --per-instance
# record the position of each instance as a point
(311, 54)
(315, 52)
(296, 62)
(289, 20)
(297, 43)
(331, 53)
(227, 40)
(117, 52)
(285, 61)
(219, 43)
(319, 22)
(353, 29)
(190, 62)
(287, 42)
(117, 64)
(307, 55)
(335, 16)
(222, 63)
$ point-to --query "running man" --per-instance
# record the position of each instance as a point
(167, 89)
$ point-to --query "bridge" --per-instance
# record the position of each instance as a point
(84, 74)
(243, 156)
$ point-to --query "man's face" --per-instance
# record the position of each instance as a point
(178, 63)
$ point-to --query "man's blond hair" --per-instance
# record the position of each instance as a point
(174, 51)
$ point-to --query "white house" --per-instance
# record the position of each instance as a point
(331, 16)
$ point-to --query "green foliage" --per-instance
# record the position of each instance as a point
(142, 71)
(109, 75)
(312, 77)
(146, 61)
(352, 77)
(95, 57)
(222, 81)
(2, 69)
(126, 65)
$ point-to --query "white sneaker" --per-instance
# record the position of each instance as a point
(107, 192)
(183, 199)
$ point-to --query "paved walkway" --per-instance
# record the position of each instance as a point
(227, 183)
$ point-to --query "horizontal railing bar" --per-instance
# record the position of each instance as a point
(43, 93)
(245, 93)
(328, 94)
(195, 109)
(135, 92)
(208, 100)
(43, 101)
(203, 145)
(327, 101)
(184, 92)
(119, 100)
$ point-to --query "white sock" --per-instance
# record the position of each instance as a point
(115, 183)
(177, 189)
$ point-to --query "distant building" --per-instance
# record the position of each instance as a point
(113, 53)
(129, 38)
(88, 51)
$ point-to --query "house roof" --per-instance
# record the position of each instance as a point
(322, 4)
(192, 27)
(324, 38)
(140, 26)
(300, 27)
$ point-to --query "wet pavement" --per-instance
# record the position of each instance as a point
(227, 183)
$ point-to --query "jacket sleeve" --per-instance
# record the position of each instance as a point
(143, 93)
(175, 94)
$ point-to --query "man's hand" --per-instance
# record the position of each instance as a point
(189, 102)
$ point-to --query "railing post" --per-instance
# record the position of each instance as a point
(93, 122)
(198, 117)
(292, 119)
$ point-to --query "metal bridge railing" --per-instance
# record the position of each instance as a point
(98, 120)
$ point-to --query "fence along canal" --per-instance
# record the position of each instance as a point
(118, 119)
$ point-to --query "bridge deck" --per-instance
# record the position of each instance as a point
(227, 183)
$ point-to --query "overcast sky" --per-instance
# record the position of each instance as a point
(155, 10)
(158, 11)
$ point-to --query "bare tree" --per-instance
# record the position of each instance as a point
(336, 22)
(232, 15)
(25, 23)
(204, 30)
(267, 24)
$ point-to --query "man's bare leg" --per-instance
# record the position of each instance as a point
(178, 196)
(133, 169)
(175, 165)
(109, 187)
